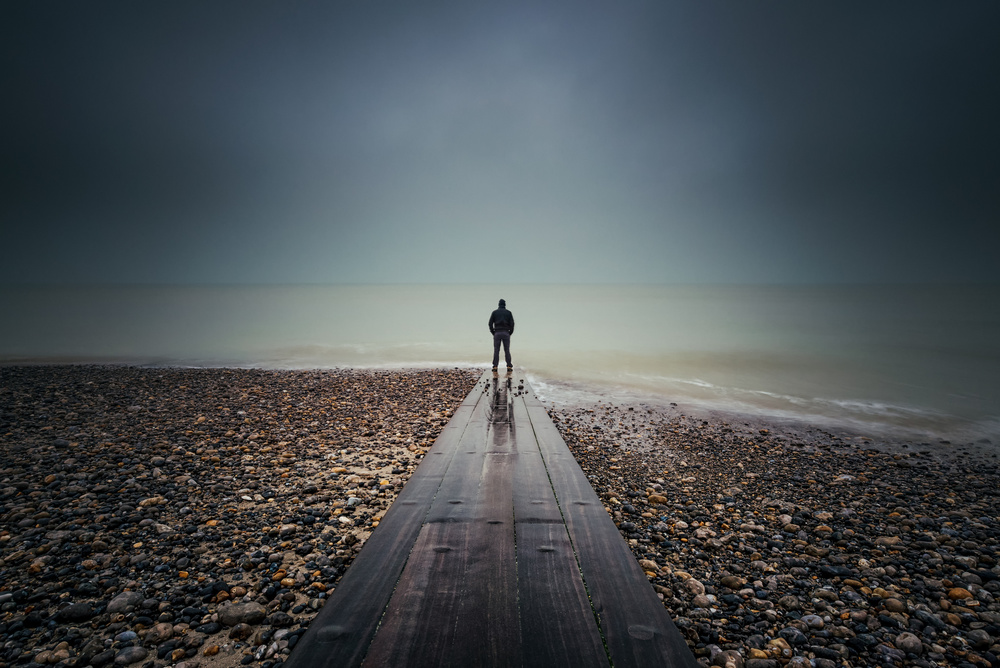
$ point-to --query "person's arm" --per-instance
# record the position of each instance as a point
(511, 323)
(492, 316)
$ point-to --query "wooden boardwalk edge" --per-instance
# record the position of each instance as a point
(633, 621)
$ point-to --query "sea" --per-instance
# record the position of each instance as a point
(918, 362)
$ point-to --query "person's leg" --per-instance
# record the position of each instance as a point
(506, 348)
(496, 349)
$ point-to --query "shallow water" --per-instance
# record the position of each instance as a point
(919, 361)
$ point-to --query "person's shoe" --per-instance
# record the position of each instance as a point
(494, 369)
(509, 368)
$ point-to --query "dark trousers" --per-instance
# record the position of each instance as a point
(498, 338)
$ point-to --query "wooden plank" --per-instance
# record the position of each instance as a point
(463, 560)
(533, 497)
(487, 627)
(419, 623)
(557, 623)
(636, 627)
(558, 626)
(341, 632)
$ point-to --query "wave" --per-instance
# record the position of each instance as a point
(877, 418)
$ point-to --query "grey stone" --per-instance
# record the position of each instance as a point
(280, 619)
(248, 612)
(77, 612)
(980, 639)
(130, 655)
(103, 658)
(694, 587)
(124, 601)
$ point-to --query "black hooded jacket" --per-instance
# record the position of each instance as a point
(501, 320)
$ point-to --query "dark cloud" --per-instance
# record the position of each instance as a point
(264, 142)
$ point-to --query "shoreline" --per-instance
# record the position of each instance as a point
(582, 396)
(137, 504)
(878, 420)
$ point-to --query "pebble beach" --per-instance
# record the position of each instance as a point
(194, 517)
(199, 517)
(795, 546)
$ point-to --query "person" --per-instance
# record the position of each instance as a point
(501, 327)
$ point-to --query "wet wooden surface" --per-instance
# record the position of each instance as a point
(496, 553)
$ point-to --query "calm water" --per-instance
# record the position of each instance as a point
(920, 361)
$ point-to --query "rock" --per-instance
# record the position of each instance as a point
(130, 655)
(124, 601)
(102, 658)
(727, 659)
(159, 632)
(790, 602)
(958, 594)
(979, 639)
(693, 587)
(793, 636)
(701, 601)
(894, 605)
(761, 663)
(280, 619)
(76, 612)
(648, 565)
(209, 628)
(909, 643)
(779, 643)
(241, 631)
(249, 612)
(813, 621)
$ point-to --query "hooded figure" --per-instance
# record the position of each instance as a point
(501, 327)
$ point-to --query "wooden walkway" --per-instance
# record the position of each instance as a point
(497, 552)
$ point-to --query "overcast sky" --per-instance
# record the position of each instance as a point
(605, 142)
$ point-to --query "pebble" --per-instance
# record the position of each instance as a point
(248, 612)
(76, 612)
(144, 512)
(791, 545)
(130, 655)
(909, 643)
(124, 601)
(102, 658)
